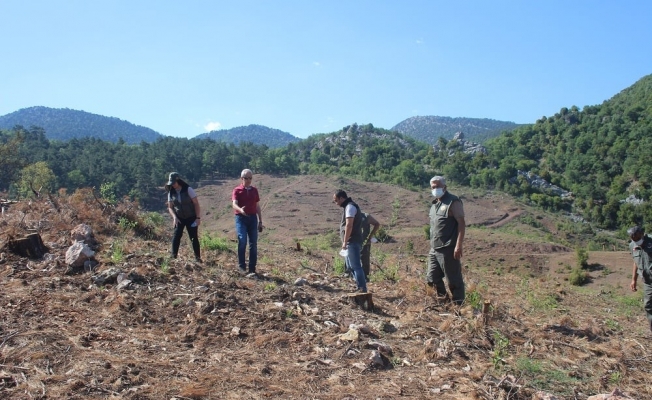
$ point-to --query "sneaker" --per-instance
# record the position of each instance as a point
(252, 275)
(242, 270)
(199, 260)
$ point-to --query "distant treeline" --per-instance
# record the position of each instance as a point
(600, 154)
(33, 163)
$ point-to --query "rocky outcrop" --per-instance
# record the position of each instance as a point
(466, 146)
(539, 183)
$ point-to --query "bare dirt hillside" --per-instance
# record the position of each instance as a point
(175, 329)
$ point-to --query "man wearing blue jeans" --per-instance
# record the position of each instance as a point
(351, 235)
(248, 220)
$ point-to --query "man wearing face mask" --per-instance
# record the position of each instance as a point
(641, 249)
(447, 229)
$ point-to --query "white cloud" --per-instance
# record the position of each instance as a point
(316, 63)
(212, 126)
(420, 41)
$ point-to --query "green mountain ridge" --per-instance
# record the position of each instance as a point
(257, 134)
(430, 128)
(66, 124)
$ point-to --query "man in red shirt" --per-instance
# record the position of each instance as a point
(248, 220)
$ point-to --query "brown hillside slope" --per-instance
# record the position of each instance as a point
(184, 330)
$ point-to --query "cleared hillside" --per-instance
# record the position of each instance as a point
(178, 329)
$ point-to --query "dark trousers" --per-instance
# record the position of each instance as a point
(192, 233)
(647, 301)
(441, 263)
(365, 254)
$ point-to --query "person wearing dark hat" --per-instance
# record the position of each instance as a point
(641, 248)
(183, 206)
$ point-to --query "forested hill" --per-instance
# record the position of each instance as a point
(66, 124)
(600, 153)
(370, 153)
(257, 134)
(429, 128)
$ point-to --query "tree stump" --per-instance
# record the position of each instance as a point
(486, 308)
(364, 300)
(30, 246)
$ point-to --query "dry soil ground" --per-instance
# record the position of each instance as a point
(202, 331)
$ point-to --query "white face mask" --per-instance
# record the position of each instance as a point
(639, 242)
(438, 192)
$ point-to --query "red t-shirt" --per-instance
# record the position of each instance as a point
(247, 198)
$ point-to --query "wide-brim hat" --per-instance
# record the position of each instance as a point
(173, 178)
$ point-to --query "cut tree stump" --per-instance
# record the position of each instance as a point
(30, 246)
(364, 300)
(486, 308)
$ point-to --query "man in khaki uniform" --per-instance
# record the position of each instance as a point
(447, 228)
(641, 249)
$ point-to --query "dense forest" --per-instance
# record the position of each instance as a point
(251, 133)
(66, 124)
(598, 153)
(430, 128)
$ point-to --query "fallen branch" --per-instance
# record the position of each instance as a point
(568, 345)
(9, 336)
(13, 367)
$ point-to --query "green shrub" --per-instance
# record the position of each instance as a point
(582, 255)
(208, 242)
(474, 299)
(117, 252)
(382, 235)
(409, 246)
(578, 277)
(339, 265)
(126, 224)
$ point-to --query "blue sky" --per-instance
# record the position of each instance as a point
(305, 67)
